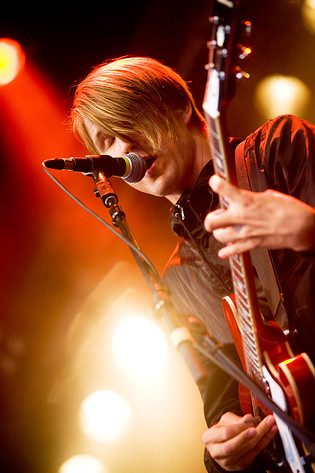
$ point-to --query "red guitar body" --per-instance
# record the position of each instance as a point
(295, 374)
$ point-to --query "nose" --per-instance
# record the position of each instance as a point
(124, 147)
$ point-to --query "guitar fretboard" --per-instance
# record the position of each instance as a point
(245, 297)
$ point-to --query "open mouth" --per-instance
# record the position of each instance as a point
(149, 162)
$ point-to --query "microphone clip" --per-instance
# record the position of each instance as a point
(104, 189)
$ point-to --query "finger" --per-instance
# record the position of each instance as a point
(240, 246)
(224, 188)
(222, 218)
(229, 426)
(227, 453)
(240, 451)
(219, 219)
(259, 443)
(230, 234)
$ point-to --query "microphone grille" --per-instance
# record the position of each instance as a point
(138, 168)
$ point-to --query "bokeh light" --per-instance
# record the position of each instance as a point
(12, 60)
(308, 15)
(104, 416)
(278, 94)
(82, 464)
(140, 347)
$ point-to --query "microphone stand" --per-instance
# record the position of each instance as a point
(181, 335)
(192, 340)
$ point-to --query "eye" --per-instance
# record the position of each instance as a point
(103, 142)
(109, 141)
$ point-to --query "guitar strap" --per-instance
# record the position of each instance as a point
(251, 178)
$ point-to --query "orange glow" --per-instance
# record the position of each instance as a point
(33, 121)
(12, 60)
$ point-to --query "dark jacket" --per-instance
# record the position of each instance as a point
(280, 155)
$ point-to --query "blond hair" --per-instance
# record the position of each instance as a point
(130, 97)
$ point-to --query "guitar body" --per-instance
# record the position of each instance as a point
(293, 374)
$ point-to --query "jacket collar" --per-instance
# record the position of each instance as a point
(187, 215)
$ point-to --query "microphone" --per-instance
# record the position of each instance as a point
(131, 167)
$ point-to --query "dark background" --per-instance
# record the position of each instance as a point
(53, 253)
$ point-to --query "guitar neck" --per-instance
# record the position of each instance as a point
(241, 268)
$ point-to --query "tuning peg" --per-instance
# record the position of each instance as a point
(214, 20)
(239, 74)
(247, 27)
(211, 44)
(244, 51)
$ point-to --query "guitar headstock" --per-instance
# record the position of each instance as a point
(225, 51)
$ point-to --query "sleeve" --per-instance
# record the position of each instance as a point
(283, 149)
(281, 155)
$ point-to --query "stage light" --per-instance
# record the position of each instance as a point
(12, 60)
(308, 15)
(139, 345)
(278, 94)
(104, 416)
(82, 464)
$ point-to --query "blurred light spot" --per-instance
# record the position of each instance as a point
(82, 464)
(139, 345)
(104, 416)
(308, 15)
(278, 94)
(12, 60)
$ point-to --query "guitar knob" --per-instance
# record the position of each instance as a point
(267, 387)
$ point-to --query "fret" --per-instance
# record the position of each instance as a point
(220, 166)
(251, 338)
(253, 360)
(238, 262)
(251, 344)
(238, 269)
(215, 141)
(240, 284)
(253, 367)
(249, 335)
(244, 306)
(216, 147)
(252, 357)
(247, 323)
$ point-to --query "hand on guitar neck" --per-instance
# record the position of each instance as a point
(235, 441)
(267, 219)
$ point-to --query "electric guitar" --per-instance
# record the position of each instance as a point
(263, 348)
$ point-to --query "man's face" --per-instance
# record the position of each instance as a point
(172, 170)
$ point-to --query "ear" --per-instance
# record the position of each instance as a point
(185, 115)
